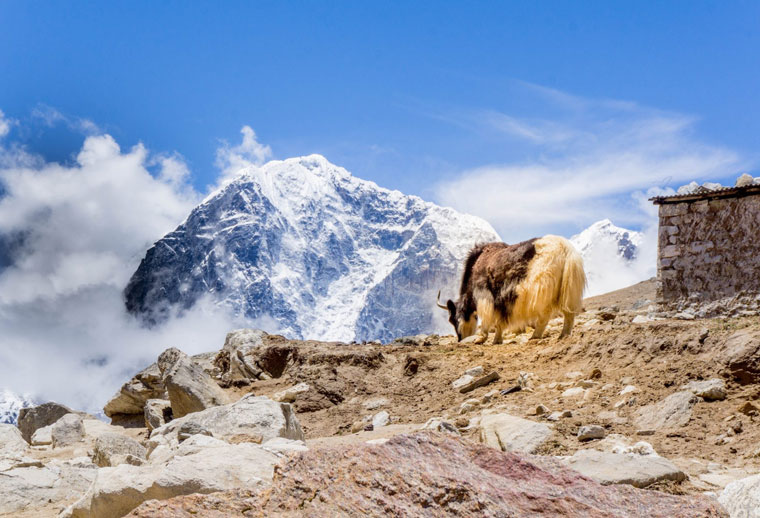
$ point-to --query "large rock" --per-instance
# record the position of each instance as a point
(671, 412)
(237, 357)
(33, 418)
(623, 468)
(742, 498)
(741, 354)
(711, 390)
(431, 475)
(509, 433)
(68, 430)
(251, 415)
(33, 487)
(189, 387)
(11, 441)
(112, 449)
(213, 467)
(130, 400)
(43, 436)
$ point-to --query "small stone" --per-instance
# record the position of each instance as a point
(644, 432)
(573, 392)
(703, 335)
(289, 395)
(595, 374)
(375, 403)
(554, 416)
(606, 315)
(380, 419)
(488, 396)
(541, 410)
(469, 406)
(585, 384)
(43, 436)
(566, 413)
(641, 319)
(462, 422)
(748, 409)
(479, 382)
(628, 389)
(710, 390)
(587, 433)
(574, 375)
(628, 380)
(620, 403)
(357, 426)
(737, 427)
(188, 429)
(438, 424)
(684, 315)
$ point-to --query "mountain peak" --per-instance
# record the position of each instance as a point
(312, 250)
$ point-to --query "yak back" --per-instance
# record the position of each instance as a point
(497, 268)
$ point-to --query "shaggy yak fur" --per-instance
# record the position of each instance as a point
(509, 287)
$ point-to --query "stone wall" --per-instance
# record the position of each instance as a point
(709, 252)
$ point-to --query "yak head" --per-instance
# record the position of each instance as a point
(464, 325)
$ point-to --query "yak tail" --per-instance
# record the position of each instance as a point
(573, 281)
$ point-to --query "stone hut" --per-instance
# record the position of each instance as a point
(708, 259)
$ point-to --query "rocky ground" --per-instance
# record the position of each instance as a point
(265, 426)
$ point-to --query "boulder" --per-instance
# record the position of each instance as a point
(742, 498)
(620, 468)
(33, 418)
(213, 467)
(429, 475)
(157, 413)
(250, 415)
(239, 350)
(711, 390)
(43, 436)
(509, 433)
(11, 441)
(68, 430)
(380, 419)
(189, 387)
(131, 398)
(673, 411)
(112, 449)
(36, 486)
(741, 354)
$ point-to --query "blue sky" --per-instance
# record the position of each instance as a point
(413, 95)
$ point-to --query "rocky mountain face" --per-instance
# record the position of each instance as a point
(10, 404)
(604, 234)
(302, 247)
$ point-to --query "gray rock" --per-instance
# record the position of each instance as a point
(741, 354)
(11, 441)
(509, 433)
(214, 467)
(620, 468)
(132, 396)
(112, 449)
(33, 418)
(240, 346)
(587, 433)
(673, 411)
(189, 387)
(31, 487)
(157, 413)
(43, 436)
(250, 415)
(381, 418)
(68, 430)
(711, 390)
(741, 498)
(439, 424)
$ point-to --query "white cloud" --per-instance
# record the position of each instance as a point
(231, 159)
(586, 164)
(50, 116)
(73, 235)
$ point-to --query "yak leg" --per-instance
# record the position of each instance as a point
(538, 331)
(497, 335)
(568, 326)
(482, 336)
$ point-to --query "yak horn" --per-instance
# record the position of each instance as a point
(438, 301)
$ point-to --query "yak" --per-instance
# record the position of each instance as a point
(509, 287)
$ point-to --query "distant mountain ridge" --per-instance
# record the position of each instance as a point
(10, 404)
(303, 246)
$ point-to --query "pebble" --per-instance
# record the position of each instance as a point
(573, 392)
(541, 410)
(488, 396)
(574, 375)
(469, 406)
(589, 432)
(381, 418)
(585, 383)
(628, 389)
(595, 374)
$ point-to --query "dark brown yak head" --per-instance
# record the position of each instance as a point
(464, 324)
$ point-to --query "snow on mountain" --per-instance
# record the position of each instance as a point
(10, 404)
(612, 257)
(302, 247)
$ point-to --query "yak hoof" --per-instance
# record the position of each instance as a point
(480, 339)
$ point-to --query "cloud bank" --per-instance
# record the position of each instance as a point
(70, 237)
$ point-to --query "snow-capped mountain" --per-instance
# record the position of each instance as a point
(303, 247)
(10, 404)
(604, 234)
(612, 257)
